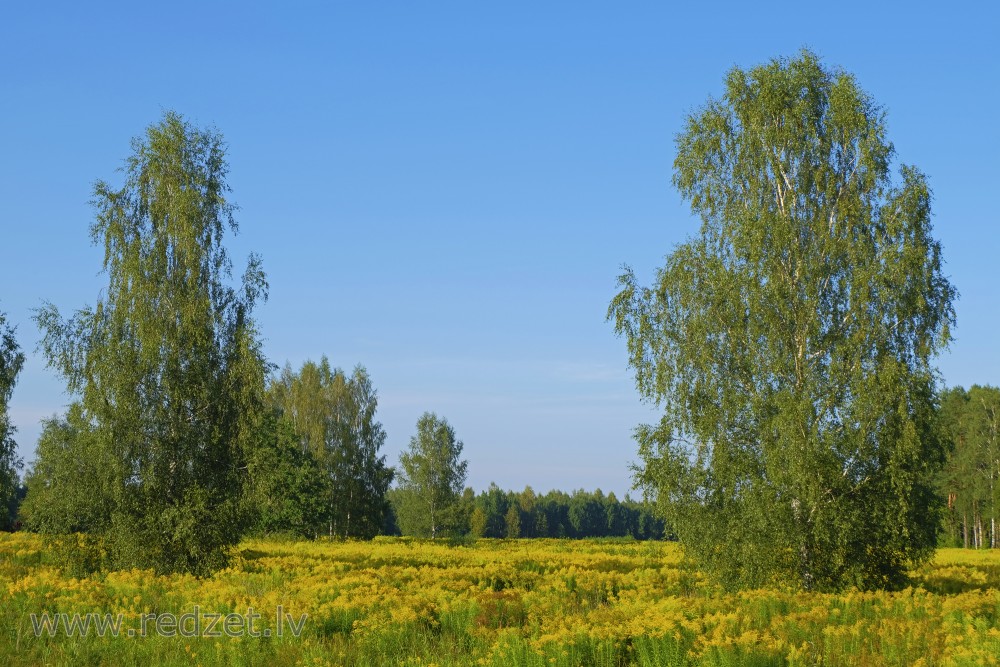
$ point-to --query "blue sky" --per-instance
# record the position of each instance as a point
(444, 192)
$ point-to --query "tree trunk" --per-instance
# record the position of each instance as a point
(993, 509)
(807, 577)
(433, 523)
(805, 563)
(350, 501)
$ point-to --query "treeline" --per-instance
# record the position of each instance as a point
(315, 469)
(519, 514)
(970, 479)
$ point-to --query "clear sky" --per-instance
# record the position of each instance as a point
(444, 192)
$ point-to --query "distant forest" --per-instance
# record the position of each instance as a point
(499, 513)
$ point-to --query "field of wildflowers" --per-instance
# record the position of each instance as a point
(493, 602)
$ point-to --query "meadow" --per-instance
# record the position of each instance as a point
(497, 602)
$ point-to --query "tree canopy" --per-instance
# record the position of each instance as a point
(790, 343)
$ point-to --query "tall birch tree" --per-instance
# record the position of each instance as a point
(790, 343)
(167, 366)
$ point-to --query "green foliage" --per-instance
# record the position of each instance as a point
(790, 342)
(587, 514)
(477, 523)
(970, 480)
(289, 492)
(494, 503)
(167, 366)
(333, 419)
(512, 522)
(70, 484)
(431, 479)
(504, 514)
(11, 363)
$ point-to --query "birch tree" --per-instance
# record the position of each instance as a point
(167, 367)
(790, 342)
(432, 476)
(333, 416)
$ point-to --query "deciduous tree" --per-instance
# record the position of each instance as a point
(432, 477)
(512, 521)
(333, 416)
(167, 366)
(70, 483)
(791, 341)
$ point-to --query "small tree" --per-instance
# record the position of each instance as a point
(542, 524)
(512, 521)
(11, 362)
(790, 343)
(494, 502)
(70, 485)
(432, 476)
(477, 522)
(526, 499)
